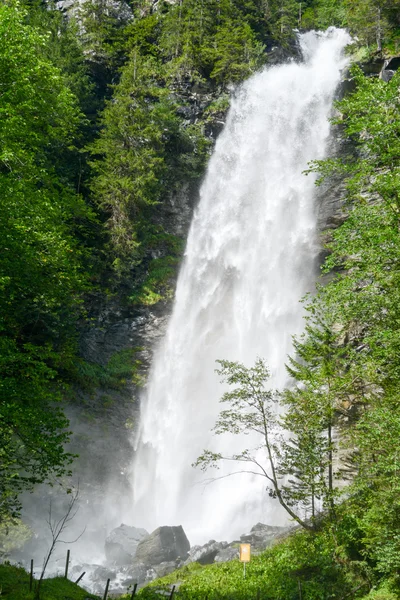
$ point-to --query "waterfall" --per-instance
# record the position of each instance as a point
(250, 257)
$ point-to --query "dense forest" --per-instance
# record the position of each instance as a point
(98, 128)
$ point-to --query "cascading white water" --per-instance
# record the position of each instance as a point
(249, 259)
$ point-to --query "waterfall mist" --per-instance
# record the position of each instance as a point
(250, 257)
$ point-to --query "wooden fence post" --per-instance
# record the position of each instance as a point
(134, 591)
(80, 577)
(67, 565)
(31, 576)
(106, 590)
(172, 593)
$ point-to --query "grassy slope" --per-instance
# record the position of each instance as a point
(14, 585)
(306, 566)
(302, 559)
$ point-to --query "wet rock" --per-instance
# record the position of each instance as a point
(122, 543)
(212, 552)
(137, 573)
(101, 574)
(261, 536)
(336, 220)
(165, 544)
(389, 68)
(393, 63)
(373, 67)
(205, 555)
(229, 553)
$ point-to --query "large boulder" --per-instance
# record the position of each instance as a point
(165, 544)
(122, 543)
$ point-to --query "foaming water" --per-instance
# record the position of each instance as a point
(249, 259)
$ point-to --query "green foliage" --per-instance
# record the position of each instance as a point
(14, 533)
(33, 431)
(383, 593)
(123, 366)
(42, 280)
(323, 13)
(355, 317)
(145, 152)
(102, 36)
(62, 48)
(305, 561)
(238, 53)
(372, 20)
(14, 585)
(216, 39)
(299, 445)
(285, 17)
(364, 295)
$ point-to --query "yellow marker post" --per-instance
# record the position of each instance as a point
(244, 556)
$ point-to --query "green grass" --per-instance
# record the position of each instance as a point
(14, 585)
(302, 561)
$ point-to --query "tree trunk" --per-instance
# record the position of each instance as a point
(379, 31)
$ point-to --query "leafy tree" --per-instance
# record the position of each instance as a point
(289, 447)
(364, 251)
(215, 39)
(321, 14)
(103, 26)
(145, 152)
(33, 432)
(370, 19)
(62, 48)
(362, 300)
(41, 275)
(237, 53)
(285, 17)
(375, 492)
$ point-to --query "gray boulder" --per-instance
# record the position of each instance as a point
(165, 544)
(205, 555)
(121, 544)
(261, 536)
(229, 553)
(213, 552)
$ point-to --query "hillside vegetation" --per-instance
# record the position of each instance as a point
(95, 136)
(15, 584)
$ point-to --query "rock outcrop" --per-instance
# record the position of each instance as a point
(261, 536)
(390, 66)
(207, 554)
(165, 544)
